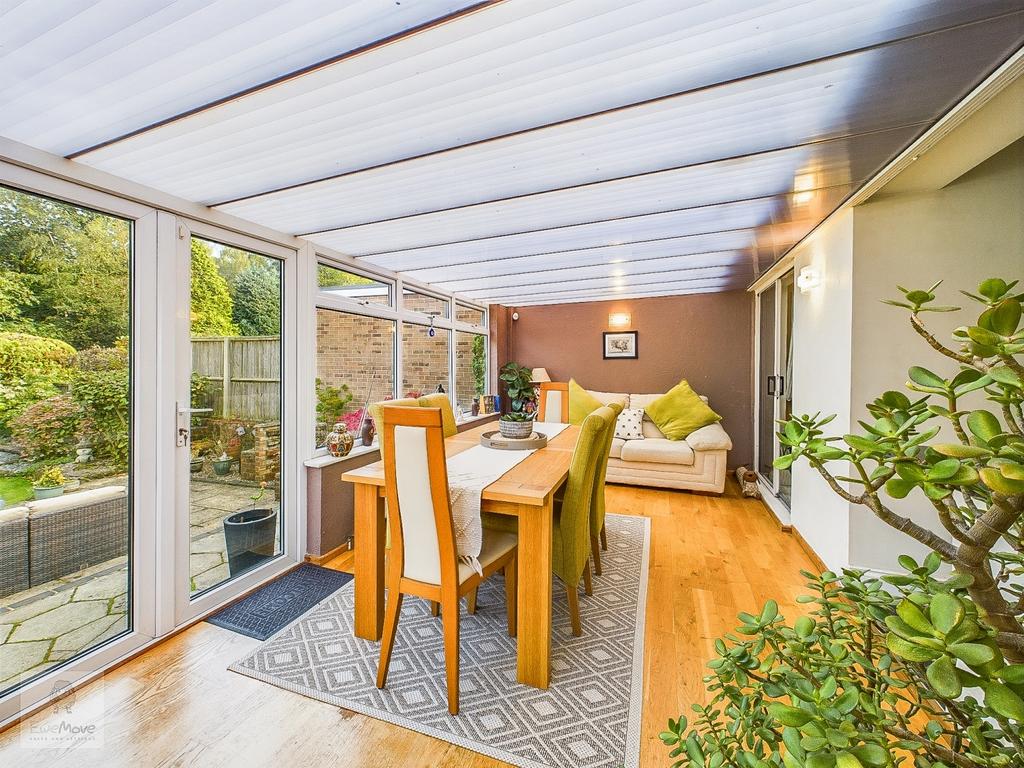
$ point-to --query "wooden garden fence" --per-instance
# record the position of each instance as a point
(244, 373)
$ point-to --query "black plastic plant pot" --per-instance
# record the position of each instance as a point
(250, 537)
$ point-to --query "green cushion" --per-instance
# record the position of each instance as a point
(680, 411)
(581, 403)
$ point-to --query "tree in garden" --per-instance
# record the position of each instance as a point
(913, 664)
(32, 368)
(257, 300)
(64, 270)
(211, 309)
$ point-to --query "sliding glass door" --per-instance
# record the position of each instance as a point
(774, 392)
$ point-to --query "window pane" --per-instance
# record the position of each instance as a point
(470, 368)
(338, 282)
(65, 424)
(466, 314)
(355, 364)
(421, 302)
(424, 360)
(235, 478)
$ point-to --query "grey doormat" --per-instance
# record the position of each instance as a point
(273, 607)
(590, 716)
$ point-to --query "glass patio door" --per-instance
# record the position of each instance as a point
(230, 414)
(774, 377)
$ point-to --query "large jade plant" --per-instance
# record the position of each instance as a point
(923, 668)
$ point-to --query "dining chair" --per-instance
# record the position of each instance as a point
(597, 501)
(554, 402)
(442, 401)
(423, 560)
(376, 413)
(570, 545)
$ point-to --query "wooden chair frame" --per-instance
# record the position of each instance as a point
(554, 386)
(449, 591)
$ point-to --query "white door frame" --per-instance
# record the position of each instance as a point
(293, 528)
(145, 504)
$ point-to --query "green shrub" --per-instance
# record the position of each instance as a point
(32, 368)
(257, 300)
(104, 358)
(331, 402)
(47, 429)
(103, 397)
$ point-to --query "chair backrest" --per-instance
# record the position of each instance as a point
(554, 402)
(416, 484)
(597, 510)
(440, 400)
(376, 414)
(574, 520)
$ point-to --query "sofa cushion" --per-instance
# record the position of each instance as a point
(680, 411)
(616, 451)
(76, 499)
(607, 398)
(628, 424)
(657, 450)
(581, 403)
(709, 438)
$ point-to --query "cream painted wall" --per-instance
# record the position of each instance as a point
(822, 354)
(970, 230)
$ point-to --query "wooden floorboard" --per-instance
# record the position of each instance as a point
(177, 705)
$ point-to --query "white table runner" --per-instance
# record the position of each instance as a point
(469, 472)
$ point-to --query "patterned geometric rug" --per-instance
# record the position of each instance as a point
(590, 716)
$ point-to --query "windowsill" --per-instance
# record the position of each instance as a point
(326, 460)
(474, 419)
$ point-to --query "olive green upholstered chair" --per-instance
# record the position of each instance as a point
(570, 545)
(440, 400)
(376, 412)
(597, 510)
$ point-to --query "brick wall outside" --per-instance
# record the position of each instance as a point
(359, 351)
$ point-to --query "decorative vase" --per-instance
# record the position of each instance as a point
(368, 431)
(515, 430)
(83, 455)
(339, 441)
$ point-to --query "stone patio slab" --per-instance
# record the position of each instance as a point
(36, 607)
(58, 621)
(103, 587)
(17, 658)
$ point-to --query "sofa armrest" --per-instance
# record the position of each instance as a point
(710, 438)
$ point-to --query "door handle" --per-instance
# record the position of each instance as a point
(184, 426)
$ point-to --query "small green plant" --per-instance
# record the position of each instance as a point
(522, 396)
(259, 493)
(331, 402)
(50, 478)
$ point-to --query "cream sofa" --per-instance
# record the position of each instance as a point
(694, 464)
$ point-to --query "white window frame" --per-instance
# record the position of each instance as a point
(398, 283)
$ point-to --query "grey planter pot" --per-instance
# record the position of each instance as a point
(222, 468)
(515, 430)
(47, 493)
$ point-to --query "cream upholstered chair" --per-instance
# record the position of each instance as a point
(423, 559)
(554, 402)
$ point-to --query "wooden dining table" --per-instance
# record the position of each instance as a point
(526, 492)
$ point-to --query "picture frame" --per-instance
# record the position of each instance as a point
(620, 345)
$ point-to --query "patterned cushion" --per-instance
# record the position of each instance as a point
(629, 425)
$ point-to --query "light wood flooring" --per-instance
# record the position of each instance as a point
(177, 705)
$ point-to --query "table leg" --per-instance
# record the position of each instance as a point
(534, 595)
(369, 561)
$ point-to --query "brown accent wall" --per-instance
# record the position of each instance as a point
(704, 338)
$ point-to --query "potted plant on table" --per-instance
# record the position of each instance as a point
(49, 484)
(517, 423)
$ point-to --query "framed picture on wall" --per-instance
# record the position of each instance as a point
(620, 345)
